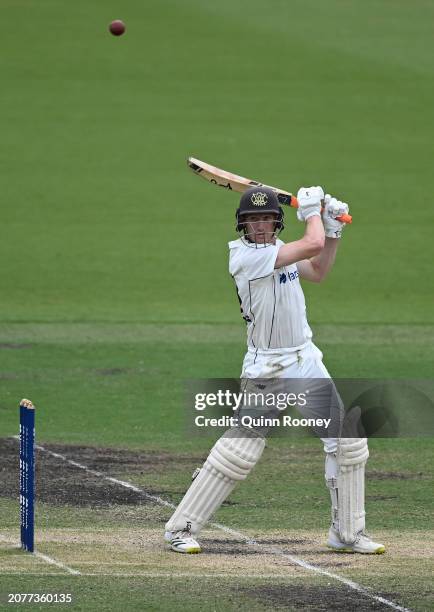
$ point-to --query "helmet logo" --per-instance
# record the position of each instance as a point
(259, 198)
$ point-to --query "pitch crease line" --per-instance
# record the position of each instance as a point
(249, 541)
(278, 577)
(45, 558)
(58, 564)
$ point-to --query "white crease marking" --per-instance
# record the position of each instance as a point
(249, 541)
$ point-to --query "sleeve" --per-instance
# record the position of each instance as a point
(252, 262)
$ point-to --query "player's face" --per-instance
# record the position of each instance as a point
(260, 227)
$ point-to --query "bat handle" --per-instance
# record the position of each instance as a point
(342, 218)
(345, 218)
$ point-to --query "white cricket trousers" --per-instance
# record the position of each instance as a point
(305, 364)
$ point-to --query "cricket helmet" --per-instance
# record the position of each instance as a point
(259, 199)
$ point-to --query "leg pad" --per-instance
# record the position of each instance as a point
(345, 477)
(231, 459)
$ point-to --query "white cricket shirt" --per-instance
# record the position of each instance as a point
(272, 301)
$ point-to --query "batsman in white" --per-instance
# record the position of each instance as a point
(267, 274)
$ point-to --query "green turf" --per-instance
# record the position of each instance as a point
(139, 592)
(114, 283)
(101, 219)
(125, 385)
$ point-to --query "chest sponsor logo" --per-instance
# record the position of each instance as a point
(283, 276)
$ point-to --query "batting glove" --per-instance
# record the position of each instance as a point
(333, 208)
(309, 202)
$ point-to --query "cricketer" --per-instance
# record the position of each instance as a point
(267, 275)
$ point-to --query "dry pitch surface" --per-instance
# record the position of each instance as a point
(239, 568)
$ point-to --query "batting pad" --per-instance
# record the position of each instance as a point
(351, 459)
(231, 459)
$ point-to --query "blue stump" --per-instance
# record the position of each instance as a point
(27, 475)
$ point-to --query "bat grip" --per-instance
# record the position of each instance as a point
(342, 218)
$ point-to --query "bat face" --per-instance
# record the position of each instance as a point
(231, 181)
(220, 177)
(225, 179)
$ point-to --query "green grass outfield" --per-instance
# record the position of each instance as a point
(101, 219)
(125, 384)
(115, 291)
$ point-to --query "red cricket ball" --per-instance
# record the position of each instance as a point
(117, 27)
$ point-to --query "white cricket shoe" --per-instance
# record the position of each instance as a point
(182, 542)
(363, 544)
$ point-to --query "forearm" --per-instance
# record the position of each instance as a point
(310, 245)
(314, 231)
(323, 262)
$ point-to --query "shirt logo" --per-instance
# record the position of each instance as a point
(283, 277)
(259, 198)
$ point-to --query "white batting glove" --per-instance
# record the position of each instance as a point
(309, 202)
(333, 208)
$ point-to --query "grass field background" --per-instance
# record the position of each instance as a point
(114, 277)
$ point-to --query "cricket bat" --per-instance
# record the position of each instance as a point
(230, 181)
